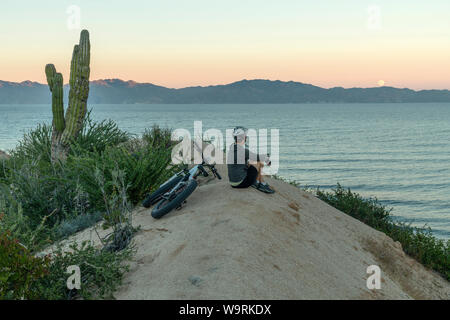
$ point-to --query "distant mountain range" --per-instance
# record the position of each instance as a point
(116, 91)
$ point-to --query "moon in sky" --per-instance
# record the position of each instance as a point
(380, 83)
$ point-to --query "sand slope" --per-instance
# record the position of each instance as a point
(243, 244)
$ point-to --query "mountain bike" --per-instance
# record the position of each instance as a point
(173, 193)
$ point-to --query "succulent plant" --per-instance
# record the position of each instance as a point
(67, 127)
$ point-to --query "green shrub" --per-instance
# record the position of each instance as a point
(106, 172)
(46, 278)
(145, 169)
(97, 136)
(94, 136)
(4, 171)
(19, 269)
(42, 187)
(101, 272)
(158, 137)
(117, 212)
(72, 225)
(67, 190)
(35, 144)
(368, 211)
(19, 225)
(145, 165)
(419, 243)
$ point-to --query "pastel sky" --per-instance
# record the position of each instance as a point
(178, 43)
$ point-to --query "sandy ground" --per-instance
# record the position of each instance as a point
(244, 244)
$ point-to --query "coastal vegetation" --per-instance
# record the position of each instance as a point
(106, 172)
(63, 178)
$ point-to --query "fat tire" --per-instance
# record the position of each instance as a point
(154, 197)
(162, 207)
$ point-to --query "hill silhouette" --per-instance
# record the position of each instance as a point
(116, 91)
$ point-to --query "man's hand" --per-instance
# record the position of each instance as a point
(268, 161)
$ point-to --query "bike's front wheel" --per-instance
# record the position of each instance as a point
(151, 199)
(164, 206)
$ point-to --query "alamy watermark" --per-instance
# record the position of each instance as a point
(74, 17)
(374, 17)
(218, 146)
(74, 280)
(374, 280)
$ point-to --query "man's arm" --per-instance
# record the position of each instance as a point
(253, 157)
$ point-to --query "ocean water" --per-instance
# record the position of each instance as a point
(399, 153)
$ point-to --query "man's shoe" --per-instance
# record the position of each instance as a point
(267, 188)
(256, 185)
(262, 187)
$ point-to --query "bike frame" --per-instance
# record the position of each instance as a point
(190, 174)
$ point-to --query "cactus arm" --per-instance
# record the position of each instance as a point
(55, 83)
(58, 103)
(79, 88)
(50, 72)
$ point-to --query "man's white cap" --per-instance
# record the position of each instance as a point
(239, 132)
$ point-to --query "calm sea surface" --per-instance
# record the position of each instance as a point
(399, 153)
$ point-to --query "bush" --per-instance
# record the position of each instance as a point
(368, 211)
(43, 202)
(44, 188)
(159, 138)
(23, 276)
(96, 136)
(35, 144)
(146, 166)
(64, 191)
(19, 225)
(41, 192)
(101, 269)
(77, 223)
(101, 273)
(4, 170)
(117, 212)
(19, 269)
(419, 243)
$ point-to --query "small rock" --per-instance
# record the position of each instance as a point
(195, 280)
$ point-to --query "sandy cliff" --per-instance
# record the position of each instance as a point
(244, 244)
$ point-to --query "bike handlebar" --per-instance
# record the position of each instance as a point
(213, 170)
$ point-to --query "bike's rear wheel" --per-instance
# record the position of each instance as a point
(164, 206)
(154, 197)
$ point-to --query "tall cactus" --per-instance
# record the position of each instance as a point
(67, 128)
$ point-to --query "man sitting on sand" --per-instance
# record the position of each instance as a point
(244, 166)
